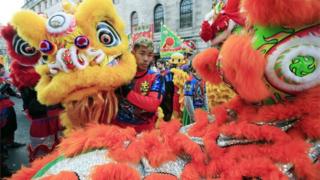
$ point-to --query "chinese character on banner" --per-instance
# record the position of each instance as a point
(142, 31)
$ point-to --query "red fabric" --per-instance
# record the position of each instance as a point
(8, 34)
(176, 104)
(145, 100)
(148, 102)
(5, 103)
(23, 76)
(45, 126)
(206, 31)
(22, 70)
(230, 11)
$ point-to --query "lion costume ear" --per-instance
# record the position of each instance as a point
(205, 64)
(290, 13)
(244, 68)
(91, 12)
(30, 26)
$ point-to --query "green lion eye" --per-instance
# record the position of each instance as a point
(303, 65)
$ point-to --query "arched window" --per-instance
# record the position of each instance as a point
(186, 13)
(134, 20)
(158, 17)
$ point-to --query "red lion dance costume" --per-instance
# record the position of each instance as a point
(44, 120)
(269, 131)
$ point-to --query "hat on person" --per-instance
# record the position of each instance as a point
(143, 41)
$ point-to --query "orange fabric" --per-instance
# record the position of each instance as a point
(283, 147)
(205, 64)
(244, 68)
(282, 12)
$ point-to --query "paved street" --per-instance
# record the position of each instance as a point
(19, 156)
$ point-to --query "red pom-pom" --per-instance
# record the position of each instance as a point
(206, 32)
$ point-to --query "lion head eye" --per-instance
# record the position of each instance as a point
(22, 47)
(107, 35)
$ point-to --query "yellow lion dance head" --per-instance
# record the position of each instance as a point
(85, 56)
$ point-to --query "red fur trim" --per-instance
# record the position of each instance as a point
(64, 175)
(200, 127)
(114, 171)
(256, 167)
(244, 68)
(181, 143)
(7, 32)
(27, 173)
(157, 176)
(189, 173)
(244, 129)
(95, 136)
(157, 149)
(170, 128)
(205, 64)
(23, 76)
(290, 13)
(304, 106)
(206, 33)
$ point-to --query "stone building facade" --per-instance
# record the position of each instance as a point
(175, 14)
(47, 7)
(181, 16)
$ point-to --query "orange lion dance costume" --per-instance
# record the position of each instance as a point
(269, 131)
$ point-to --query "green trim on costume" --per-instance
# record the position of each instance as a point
(43, 170)
(267, 37)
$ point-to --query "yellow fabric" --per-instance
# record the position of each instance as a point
(160, 117)
(218, 94)
(68, 6)
(179, 79)
(30, 26)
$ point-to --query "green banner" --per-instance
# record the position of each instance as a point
(169, 43)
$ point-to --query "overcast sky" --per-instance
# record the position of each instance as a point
(8, 8)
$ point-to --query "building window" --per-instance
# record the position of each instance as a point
(43, 6)
(186, 13)
(134, 21)
(39, 8)
(158, 17)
